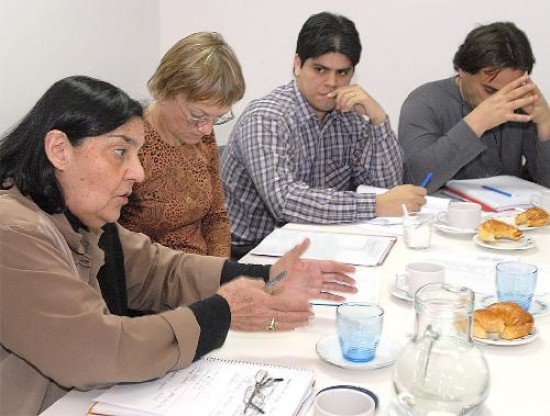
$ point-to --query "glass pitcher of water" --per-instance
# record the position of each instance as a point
(440, 371)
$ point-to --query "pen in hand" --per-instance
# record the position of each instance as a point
(427, 179)
(270, 286)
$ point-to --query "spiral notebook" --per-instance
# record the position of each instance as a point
(209, 387)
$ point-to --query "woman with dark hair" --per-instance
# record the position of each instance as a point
(71, 300)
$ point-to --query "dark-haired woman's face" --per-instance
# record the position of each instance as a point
(100, 173)
(319, 76)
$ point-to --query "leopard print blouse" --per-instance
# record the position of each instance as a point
(180, 204)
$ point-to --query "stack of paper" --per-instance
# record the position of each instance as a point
(497, 193)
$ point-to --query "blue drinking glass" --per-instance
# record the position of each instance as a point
(516, 282)
(359, 330)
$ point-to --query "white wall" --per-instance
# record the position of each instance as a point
(42, 41)
(405, 42)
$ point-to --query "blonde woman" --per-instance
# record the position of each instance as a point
(180, 203)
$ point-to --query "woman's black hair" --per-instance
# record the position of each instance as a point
(80, 107)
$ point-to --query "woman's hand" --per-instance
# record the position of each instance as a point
(317, 279)
(253, 309)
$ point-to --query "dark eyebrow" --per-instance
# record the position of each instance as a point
(347, 68)
(127, 139)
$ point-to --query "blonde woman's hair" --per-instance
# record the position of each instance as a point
(203, 68)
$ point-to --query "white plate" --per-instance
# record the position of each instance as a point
(328, 349)
(446, 228)
(510, 342)
(524, 243)
(401, 294)
(538, 306)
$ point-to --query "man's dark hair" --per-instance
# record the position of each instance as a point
(497, 45)
(80, 107)
(327, 32)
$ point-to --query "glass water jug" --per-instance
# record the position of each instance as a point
(440, 371)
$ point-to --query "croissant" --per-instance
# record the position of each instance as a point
(534, 217)
(507, 319)
(491, 230)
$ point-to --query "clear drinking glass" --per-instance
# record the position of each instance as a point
(417, 229)
(440, 369)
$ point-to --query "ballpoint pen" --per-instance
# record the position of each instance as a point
(270, 286)
(325, 303)
(498, 191)
(427, 179)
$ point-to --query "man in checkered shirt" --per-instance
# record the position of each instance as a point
(299, 153)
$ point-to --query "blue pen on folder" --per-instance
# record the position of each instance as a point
(498, 191)
(427, 179)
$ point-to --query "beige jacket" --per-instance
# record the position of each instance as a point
(56, 332)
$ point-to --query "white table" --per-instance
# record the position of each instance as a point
(519, 375)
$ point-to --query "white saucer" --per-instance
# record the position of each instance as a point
(328, 349)
(402, 294)
(524, 243)
(509, 342)
(538, 306)
(446, 228)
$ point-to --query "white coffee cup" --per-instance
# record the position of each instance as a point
(463, 215)
(343, 401)
(418, 274)
(542, 200)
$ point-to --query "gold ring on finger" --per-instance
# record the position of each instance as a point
(271, 326)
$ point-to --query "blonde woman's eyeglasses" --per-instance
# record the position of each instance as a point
(203, 121)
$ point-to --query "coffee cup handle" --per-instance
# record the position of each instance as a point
(442, 217)
(401, 282)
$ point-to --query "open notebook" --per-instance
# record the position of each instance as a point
(209, 387)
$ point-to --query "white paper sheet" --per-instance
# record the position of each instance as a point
(394, 225)
(361, 250)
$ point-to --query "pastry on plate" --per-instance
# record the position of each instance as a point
(507, 319)
(491, 230)
(533, 217)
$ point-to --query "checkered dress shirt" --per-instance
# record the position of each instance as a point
(282, 164)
